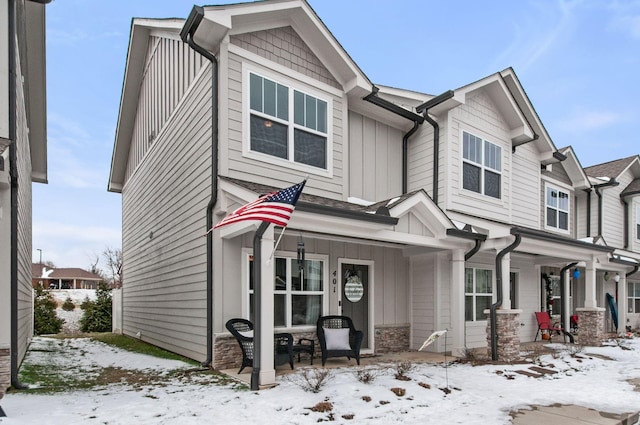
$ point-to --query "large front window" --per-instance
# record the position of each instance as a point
(478, 291)
(557, 203)
(287, 123)
(481, 166)
(298, 298)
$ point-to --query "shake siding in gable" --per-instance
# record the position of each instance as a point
(284, 48)
(164, 205)
(375, 152)
(479, 117)
(171, 66)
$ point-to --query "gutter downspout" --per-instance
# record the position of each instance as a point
(257, 309)
(563, 294)
(498, 303)
(186, 34)
(405, 156)
(635, 269)
(588, 212)
(424, 108)
(610, 183)
(473, 250)
(13, 176)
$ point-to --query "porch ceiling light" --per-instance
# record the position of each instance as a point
(617, 277)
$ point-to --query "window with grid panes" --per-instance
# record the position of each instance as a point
(481, 165)
(478, 288)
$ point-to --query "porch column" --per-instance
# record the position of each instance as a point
(506, 282)
(566, 302)
(591, 317)
(457, 304)
(623, 307)
(267, 371)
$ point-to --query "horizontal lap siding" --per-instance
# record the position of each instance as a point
(164, 220)
(613, 212)
(420, 159)
(526, 187)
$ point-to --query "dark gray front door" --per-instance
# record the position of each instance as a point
(355, 297)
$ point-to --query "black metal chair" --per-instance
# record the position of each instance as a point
(242, 330)
(338, 338)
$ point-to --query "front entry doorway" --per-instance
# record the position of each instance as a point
(357, 279)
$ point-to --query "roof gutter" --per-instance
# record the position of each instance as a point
(492, 310)
(424, 108)
(597, 187)
(405, 113)
(187, 34)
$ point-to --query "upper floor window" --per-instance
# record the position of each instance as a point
(481, 165)
(633, 294)
(557, 204)
(478, 293)
(637, 222)
(287, 123)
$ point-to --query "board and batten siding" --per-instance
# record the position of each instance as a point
(164, 218)
(25, 290)
(236, 165)
(423, 298)
(375, 153)
(479, 117)
(170, 68)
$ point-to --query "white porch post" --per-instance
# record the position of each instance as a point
(590, 300)
(457, 303)
(566, 302)
(267, 371)
(623, 308)
(506, 282)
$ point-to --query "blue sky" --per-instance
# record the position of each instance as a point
(579, 62)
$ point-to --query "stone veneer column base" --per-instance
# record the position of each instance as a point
(392, 338)
(507, 333)
(591, 326)
(5, 370)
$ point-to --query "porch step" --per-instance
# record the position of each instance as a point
(536, 372)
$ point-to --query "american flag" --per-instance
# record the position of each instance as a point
(275, 207)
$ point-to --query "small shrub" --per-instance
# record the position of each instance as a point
(366, 398)
(366, 376)
(402, 369)
(323, 407)
(97, 314)
(68, 305)
(312, 380)
(45, 319)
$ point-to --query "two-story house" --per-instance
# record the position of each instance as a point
(452, 210)
(23, 160)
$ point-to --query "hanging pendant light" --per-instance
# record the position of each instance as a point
(300, 252)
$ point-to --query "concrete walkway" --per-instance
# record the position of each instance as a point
(570, 415)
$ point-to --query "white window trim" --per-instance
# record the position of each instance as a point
(483, 167)
(493, 291)
(247, 252)
(631, 298)
(292, 85)
(569, 211)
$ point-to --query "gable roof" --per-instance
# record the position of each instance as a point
(42, 271)
(611, 169)
(574, 169)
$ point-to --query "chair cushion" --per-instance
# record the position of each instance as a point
(247, 334)
(337, 339)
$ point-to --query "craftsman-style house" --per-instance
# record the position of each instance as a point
(23, 160)
(453, 210)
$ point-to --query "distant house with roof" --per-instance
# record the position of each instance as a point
(63, 278)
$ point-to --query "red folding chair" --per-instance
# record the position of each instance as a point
(544, 324)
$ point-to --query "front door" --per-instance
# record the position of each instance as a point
(356, 279)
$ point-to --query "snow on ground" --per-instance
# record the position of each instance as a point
(71, 318)
(458, 394)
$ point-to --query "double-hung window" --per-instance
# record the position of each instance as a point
(299, 297)
(633, 297)
(287, 123)
(481, 165)
(478, 293)
(557, 205)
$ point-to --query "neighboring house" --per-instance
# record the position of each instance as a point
(63, 278)
(450, 209)
(23, 160)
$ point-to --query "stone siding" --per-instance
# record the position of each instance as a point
(591, 326)
(391, 339)
(5, 370)
(508, 334)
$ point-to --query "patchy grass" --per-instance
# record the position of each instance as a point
(137, 346)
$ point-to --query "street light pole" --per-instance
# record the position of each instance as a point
(40, 255)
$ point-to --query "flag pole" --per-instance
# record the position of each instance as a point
(276, 246)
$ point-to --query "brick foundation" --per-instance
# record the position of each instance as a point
(392, 338)
(5, 370)
(591, 322)
(507, 333)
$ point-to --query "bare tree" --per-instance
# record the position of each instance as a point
(113, 258)
(93, 267)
